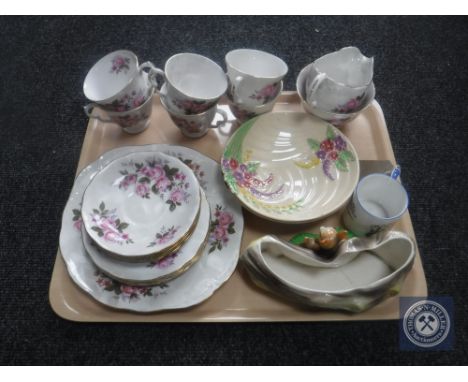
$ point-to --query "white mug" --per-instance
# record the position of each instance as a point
(193, 83)
(195, 125)
(378, 202)
(254, 76)
(117, 83)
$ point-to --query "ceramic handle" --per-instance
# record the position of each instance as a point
(235, 84)
(316, 83)
(88, 109)
(223, 115)
(153, 75)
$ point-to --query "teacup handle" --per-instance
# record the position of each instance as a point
(223, 115)
(88, 109)
(153, 75)
(236, 84)
(316, 83)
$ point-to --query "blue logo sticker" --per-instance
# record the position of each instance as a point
(426, 324)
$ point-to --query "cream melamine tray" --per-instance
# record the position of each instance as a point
(238, 300)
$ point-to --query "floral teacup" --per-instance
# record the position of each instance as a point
(195, 125)
(338, 82)
(254, 76)
(243, 112)
(335, 118)
(193, 83)
(117, 83)
(132, 121)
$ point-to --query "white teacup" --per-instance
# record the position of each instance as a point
(195, 125)
(255, 76)
(118, 83)
(132, 121)
(338, 81)
(377, 203)
(243, 112)
(194, 83)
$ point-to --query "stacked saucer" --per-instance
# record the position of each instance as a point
(151, 219)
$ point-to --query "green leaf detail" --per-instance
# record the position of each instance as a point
(341, 165)
(155, 189)
(97, 229)
(330, 132)
(102, 206)
(212, 249)
(144, 179)
(96, 211)
(122, 226)
(231, 230)
(346, 155)
(172, 207)
(313, 144)
(252, 166)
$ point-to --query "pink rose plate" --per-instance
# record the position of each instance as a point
(141, 205)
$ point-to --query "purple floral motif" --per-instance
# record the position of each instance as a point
(156, 177)
(221, 226)
(190, 127)
(267, 93)
(241, 114)
(332, 150)
(192, 107)
(108, 225)
(244, 175)
(166, 235)
(77, 219)
(164, 262)
(128, 292)
(120, 63)
(128, 101)
(195, 167)
(351, 105)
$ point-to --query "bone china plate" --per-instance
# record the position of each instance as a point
(290, 167)
(157, 271)
(142, 204)
(217, 262)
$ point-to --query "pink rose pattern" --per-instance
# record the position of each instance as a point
(332, 150)
(191, 127)
(195, 167)
(128, 292)
(267, 93)
(192, 107)
(120, 63)
(128, 101)
(221, 226)
(77, 219)
(156, 177)
(350, 106)
(164, 236)
(164, 262)
(108, 225)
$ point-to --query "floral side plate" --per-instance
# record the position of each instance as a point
(290, 167)
(140, 205)
(217, 262)
(156, 271)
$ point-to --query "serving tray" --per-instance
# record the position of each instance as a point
(238, 300)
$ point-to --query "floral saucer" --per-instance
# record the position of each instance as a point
(217, 262)
(290, 167)
(157, 271)
(141, 205)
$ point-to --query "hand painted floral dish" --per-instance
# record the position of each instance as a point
(218, 260)
(365, 271)
(290, 167)
(142, 206)
(157, 271)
